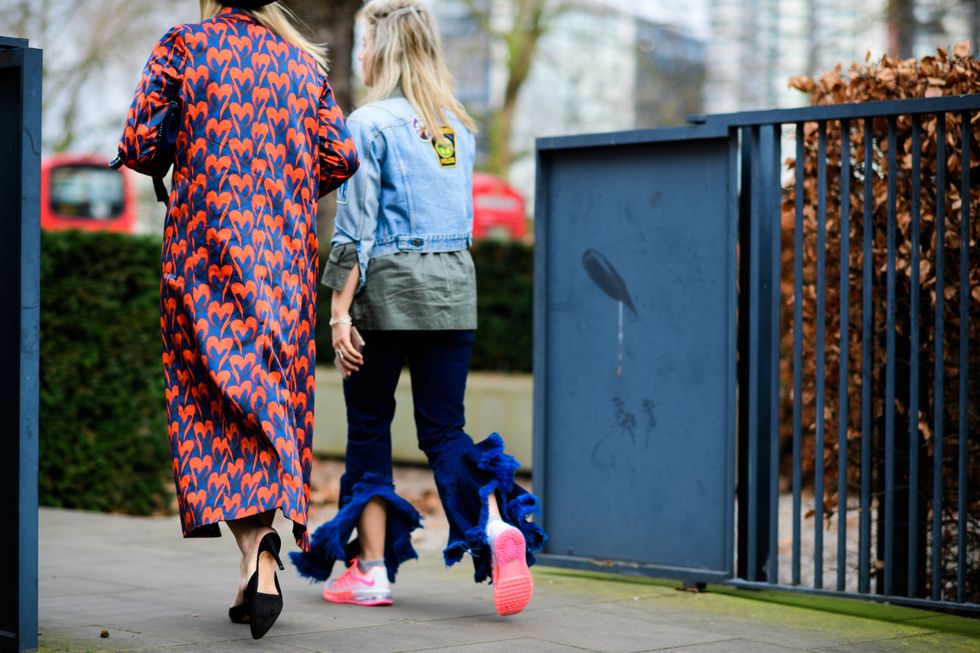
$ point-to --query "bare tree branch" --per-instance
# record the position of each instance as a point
(479, 12)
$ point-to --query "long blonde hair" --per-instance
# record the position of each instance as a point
(406, 50)
(281, 20)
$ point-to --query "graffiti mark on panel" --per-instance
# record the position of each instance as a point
(623, 426)
(602, 272)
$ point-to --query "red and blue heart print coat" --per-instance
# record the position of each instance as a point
(260, 140)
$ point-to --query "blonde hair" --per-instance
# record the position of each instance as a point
(281, 20)
(406, 50)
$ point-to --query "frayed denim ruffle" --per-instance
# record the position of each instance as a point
(486, 470)
(330, 541)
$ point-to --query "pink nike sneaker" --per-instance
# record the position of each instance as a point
(360, 588)
(512, 582)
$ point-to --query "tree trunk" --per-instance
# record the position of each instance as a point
(522, 44)
(902, 26)
(333, 23)
(975, 26)
(812, 40)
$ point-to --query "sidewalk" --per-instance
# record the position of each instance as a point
(151, 591)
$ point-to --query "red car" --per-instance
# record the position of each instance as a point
(498, 209)
(79, 191)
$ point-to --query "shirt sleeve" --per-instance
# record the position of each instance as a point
(358, 199)
(341, 261)
(161, 80)
(338, 154)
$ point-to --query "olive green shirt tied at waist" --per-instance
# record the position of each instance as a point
(409, 291)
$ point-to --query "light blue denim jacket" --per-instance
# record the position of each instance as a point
(406, 196)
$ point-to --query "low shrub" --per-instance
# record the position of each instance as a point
(505, 283)
(103, 436)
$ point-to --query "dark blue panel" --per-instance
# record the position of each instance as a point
(30, 289)
(20, 138)
(635, 353)
(8, 42)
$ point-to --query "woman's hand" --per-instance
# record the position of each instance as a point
(349, 358)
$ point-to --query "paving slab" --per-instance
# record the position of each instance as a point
(152, 591)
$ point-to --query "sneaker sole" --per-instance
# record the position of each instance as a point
(512, 582)
(353, 600)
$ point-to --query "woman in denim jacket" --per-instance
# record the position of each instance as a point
(401, 272)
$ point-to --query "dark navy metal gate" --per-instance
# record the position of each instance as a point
(660, 266)
(635, 399)
(20, 166)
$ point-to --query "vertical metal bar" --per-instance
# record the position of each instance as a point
(820, 355)
(842, 395)
(890, 358)
(760, 355)
(940, 371)
(743, 157)
(913, 534)
(799, 190)
(864, 550)
(542, 227)
(754, 568)
(964, 344)
(774, 202)
(734, 342)
(752, 147)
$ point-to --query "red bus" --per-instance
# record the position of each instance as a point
(79, 191)
(498, 209)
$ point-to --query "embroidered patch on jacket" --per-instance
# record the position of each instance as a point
(342, 194)
(447, 151)
(420, 129)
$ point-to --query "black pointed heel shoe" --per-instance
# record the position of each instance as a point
(263, 609)
(238, 613)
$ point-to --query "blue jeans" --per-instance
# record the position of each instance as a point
(466, 473)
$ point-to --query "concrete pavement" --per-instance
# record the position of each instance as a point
(135, 579)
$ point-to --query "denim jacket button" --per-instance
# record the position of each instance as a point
(417, 242)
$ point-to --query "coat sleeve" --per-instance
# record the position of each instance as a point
(338, 156)
(162, 76)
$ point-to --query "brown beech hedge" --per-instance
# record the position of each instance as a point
(946, 73)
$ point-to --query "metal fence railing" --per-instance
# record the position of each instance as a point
(858, 350)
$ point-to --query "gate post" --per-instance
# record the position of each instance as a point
(759, 329)
(20, 175)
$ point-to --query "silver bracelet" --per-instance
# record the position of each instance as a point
(345, 320)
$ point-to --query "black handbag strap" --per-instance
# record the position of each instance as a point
(172, 94)
(161, 190)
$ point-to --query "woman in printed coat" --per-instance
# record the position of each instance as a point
(260, 140)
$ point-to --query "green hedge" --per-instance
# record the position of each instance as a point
(505, 294)
(505, 282)
(102, 412)
(103, 436)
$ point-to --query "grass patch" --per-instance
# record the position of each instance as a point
(843, 606)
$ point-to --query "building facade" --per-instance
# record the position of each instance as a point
(756, 46)
(603, 65)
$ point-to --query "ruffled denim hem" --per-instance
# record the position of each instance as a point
(330, 541)
(485, 471)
